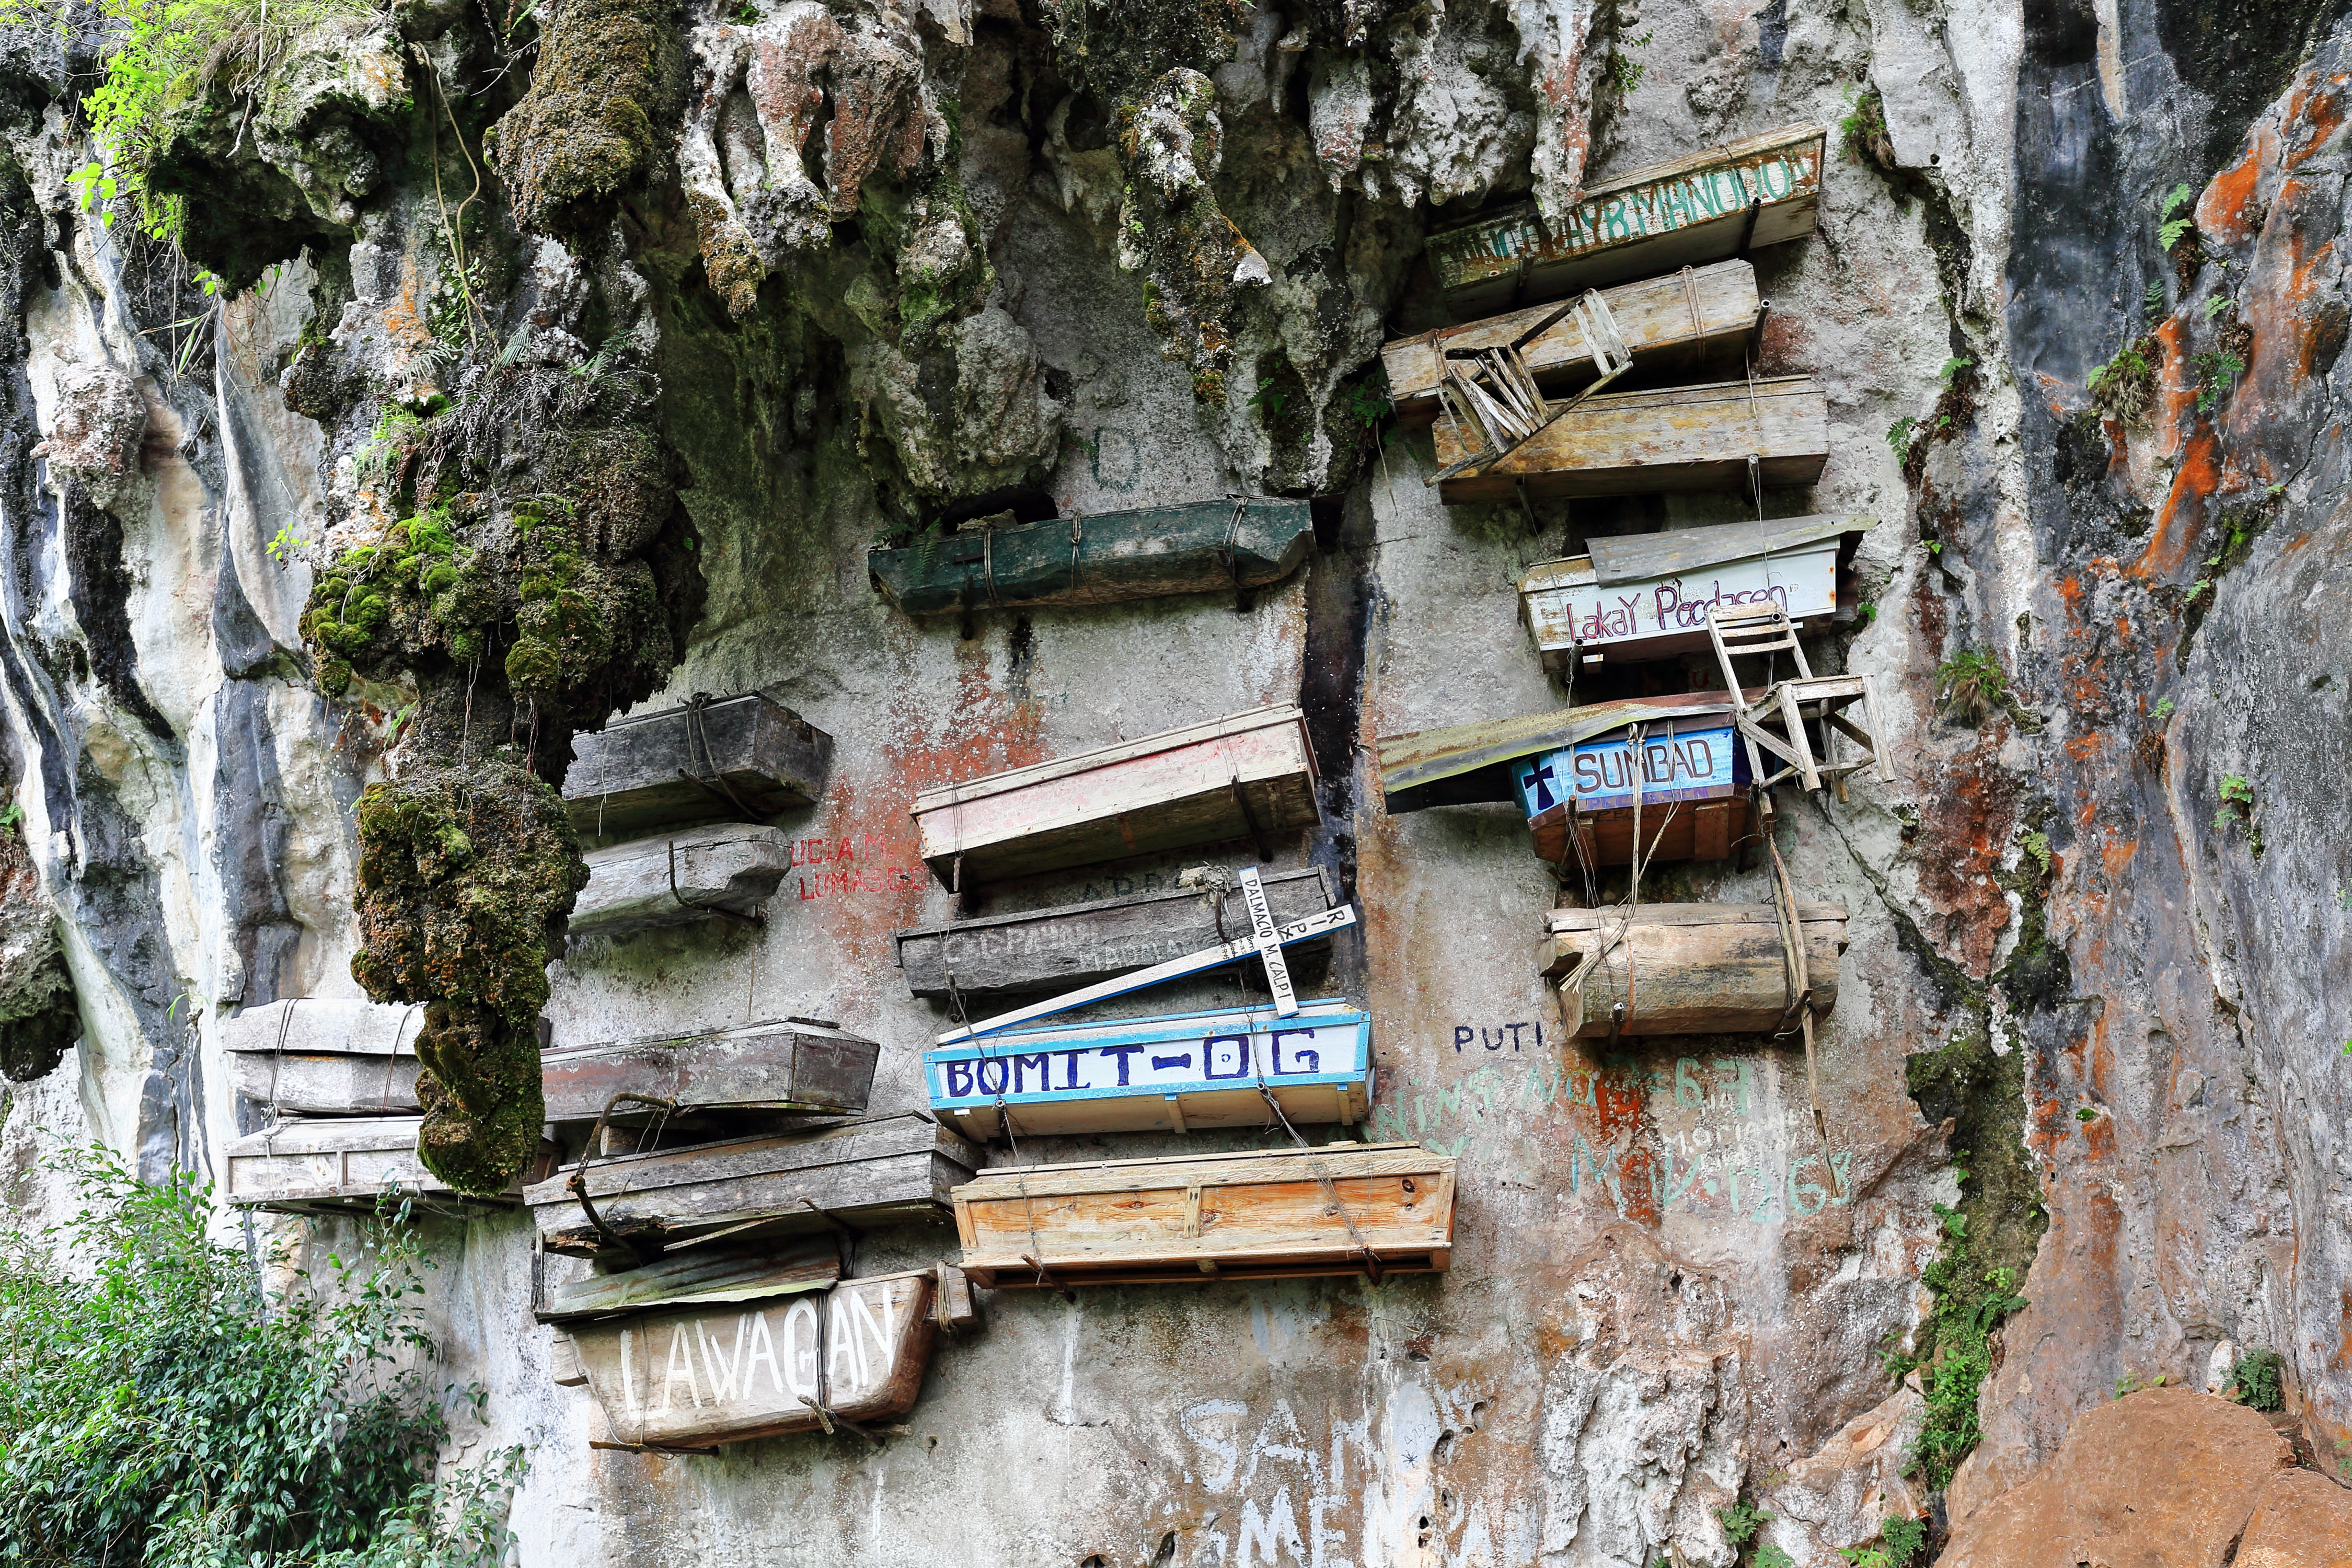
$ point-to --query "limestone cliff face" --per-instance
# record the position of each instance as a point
(844, 267)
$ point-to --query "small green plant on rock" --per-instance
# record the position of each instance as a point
(1970, 685)
(1898, 437)
(2217, 375)
(1770, 1556)
(1899, 1540)
(1625, 72)
(2125, 387)
(2133, 1383)
(2258, 1381)
(1740, 1522)
(2237, 797)
(2172, 226)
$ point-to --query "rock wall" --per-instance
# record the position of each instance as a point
(873, 264)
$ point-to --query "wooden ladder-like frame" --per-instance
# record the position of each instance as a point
(1493, 392)
(1803, 700)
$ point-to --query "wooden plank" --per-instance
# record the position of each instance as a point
(1689, 830)
(1138, 797)
(1178, 1072)
(1270, 1216)
(780, 1065)
(696, 874)
(1684, 212)
(759, 758)
(1659, 442)
(727, 1374)
(1045, 950)
(698, 1276)
(1683, 325)
(344, 1161)
(314, 1055)
(882, 1169)
(1574, 608)
(1581, 920)
(1686, 977)
(1205, 547)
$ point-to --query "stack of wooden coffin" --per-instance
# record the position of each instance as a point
(1667, 299)
(708, 776)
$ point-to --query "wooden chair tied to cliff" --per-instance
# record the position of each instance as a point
(1492, 390)
(1777, 721)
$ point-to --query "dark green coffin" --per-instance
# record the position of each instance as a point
(1205, 547)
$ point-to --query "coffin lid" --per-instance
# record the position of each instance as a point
(981, 788)
(1095, 907)
(1641, 557)
(330, 1135)
(917, 1131)
(694, 1277)
(1464, 764)
(1338, 1146)
(1690, 915)
(293, 1025)
(813, 1026)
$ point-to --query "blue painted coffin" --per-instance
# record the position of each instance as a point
(1172, 1073)
(1685, 759)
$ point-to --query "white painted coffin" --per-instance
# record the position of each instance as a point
(315, 1056)
(1646, 597)
(704, 1376)
(1178, 1072)
(730, 868)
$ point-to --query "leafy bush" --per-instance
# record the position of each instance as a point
(1970, 685)
(2126, 386)
(1740, 1522)
(164, 1410)
(2259, 1378)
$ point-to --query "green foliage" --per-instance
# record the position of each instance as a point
(158, 1407)
(12, 820)
(284, 542)
(2237, 798)
(1740, 1522)
(1266, 400)
(2087, 1113)
(2217, 304)
(2154, 299)
(2133, 1383)
(1863, 128)
(2163, 708)
(1867, 610)
(2258, 1378)
(2170, 228)
(1968, 1307)
(2217, 372)
(2125, 385)
(1770, 1556)
(1898, 436)
(1625, 73)
(2037, 847)
(1953, 368)
(1970, 685)
(1368, 401)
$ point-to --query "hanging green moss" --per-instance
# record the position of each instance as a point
(464, 877)
(609, 81)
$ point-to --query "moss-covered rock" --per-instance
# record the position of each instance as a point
(465, 875)
(1171, 228)
(604, 99)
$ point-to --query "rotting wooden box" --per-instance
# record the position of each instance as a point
(316, 1056)
(747, 757)
(787, 1064)
(1647, 596)
(1072, 945)
(1657, 442)
(1690, 325)
(1231, 545)
(1701, 208)
(1688, 969)
(699, 1375)
(345, 1163)
(717, 870)
(867, 1171)
(1178, 1072)
(1249, 774)
(1342, 1208)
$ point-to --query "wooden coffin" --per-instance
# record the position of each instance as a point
(697, 1277)
(1693, 969)
(1206, 547)
(1695, 803)
(1702, 207)
(1052, 949)
(698, 1376)
(1180, 1072)
(793, 1064)
(1652, 443)
(747, 757)
(884, 1168)
(1647, 596)
(315, 1056)
(345, 1163)
(1685, 325)
(696, 874)
(1263, 1215)
(1249, 774)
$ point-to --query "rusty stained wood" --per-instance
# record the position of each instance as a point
(1684, 324)
(1694, 969)
(1250, 774)
(348, 1161)
(727, 1374)
(750, 757)
(880, 1169)
(781, 1065)
(1045, 950)
(1651, 442)
(1701, 208)
(1263, 1214)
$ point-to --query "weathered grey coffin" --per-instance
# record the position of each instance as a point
(342, 1162)
(316, 1056)
(700, 1276)
(634, 776)
(724, 868)
(1042, 950)
(880, 1169)
(791, 1064)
